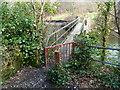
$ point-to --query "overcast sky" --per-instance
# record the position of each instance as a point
(58, 0)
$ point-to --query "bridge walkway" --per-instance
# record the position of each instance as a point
(77, 30)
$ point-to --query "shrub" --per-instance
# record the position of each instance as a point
(58, 75)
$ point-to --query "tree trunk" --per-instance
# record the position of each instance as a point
(117, 21)
(103, 51)
(41, 18)
(118, 13)
(104, 37)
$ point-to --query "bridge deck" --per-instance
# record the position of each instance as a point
(77, 30)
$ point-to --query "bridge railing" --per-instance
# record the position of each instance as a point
(64, 51)
(84, 22)
(106, 48)
(72, 23)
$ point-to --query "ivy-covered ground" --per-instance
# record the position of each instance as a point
(31, 77)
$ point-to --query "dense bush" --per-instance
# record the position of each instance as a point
(82, 52)
(59, 75)
(22, 34)
(18, 31)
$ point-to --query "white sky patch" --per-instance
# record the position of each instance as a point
(57, 0)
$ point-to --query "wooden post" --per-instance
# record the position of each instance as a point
(73, 50)
(57, 57)
(73, 47)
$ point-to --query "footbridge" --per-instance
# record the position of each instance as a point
(60, 49)
(70, 30)
(63, 44)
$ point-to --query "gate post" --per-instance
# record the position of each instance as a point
(72, 46)
(57, 57)
(46, 58)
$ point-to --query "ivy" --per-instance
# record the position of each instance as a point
(22, 35)
(58, 75)
(19, 32)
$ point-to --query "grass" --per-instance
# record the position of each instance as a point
(92, 16)
(61, 17)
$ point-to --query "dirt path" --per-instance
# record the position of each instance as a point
(29, 78)
(37, 78)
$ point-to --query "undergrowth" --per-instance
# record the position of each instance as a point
(79, 64)
(58, 75)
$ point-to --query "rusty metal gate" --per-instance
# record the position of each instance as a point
(64, 50)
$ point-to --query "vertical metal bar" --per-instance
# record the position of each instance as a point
(63, 52)
(85, 22)
(54, 49)
(49, 57)
(60, 52)
(53, 55)
(46, 57)
(66, 51)
(55, 37)
(69, 50)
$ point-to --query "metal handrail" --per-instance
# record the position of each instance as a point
(117, 49)
(105, 48)
(64, 33)
(60, 30)
(81, 30)
(104, 62)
